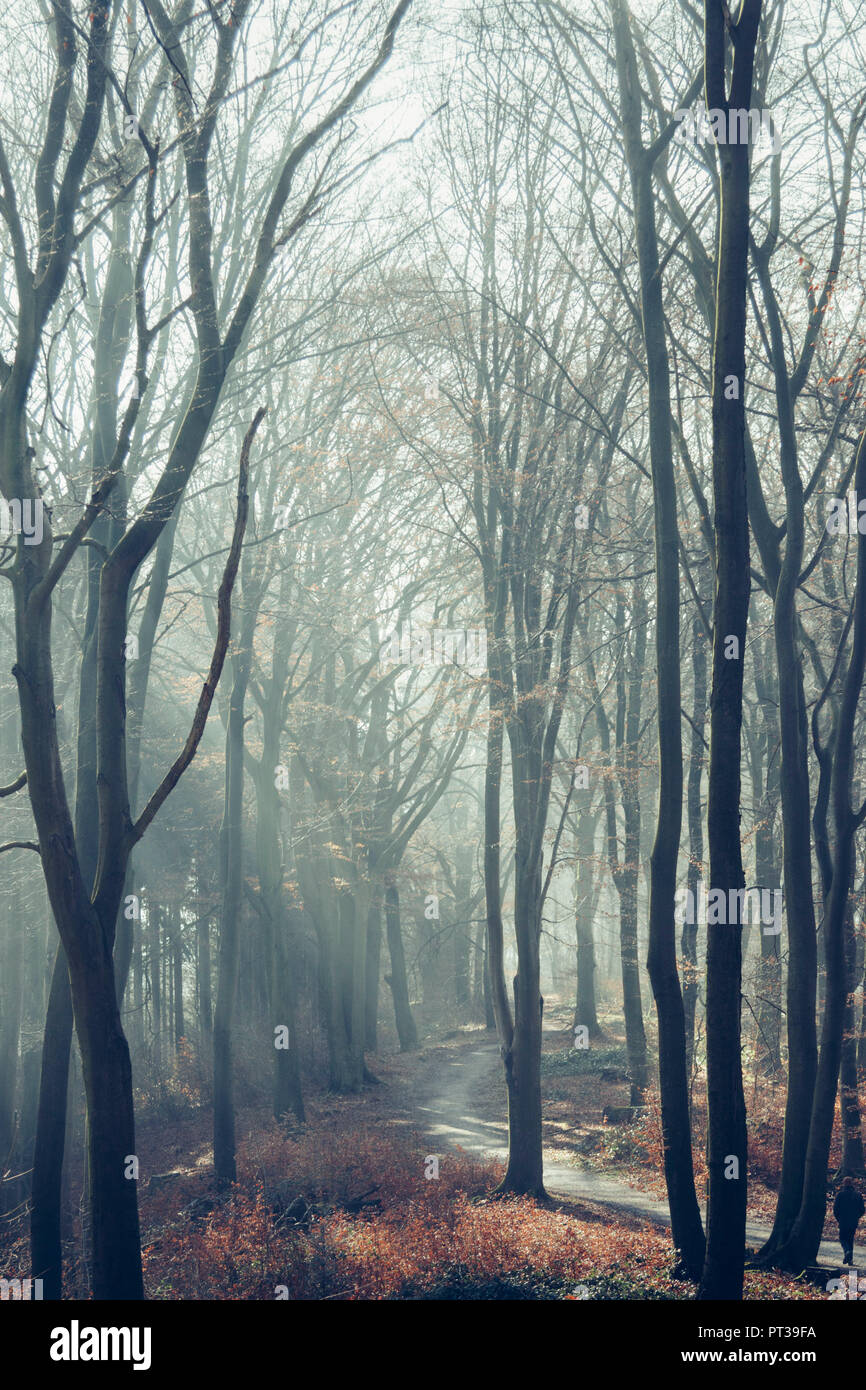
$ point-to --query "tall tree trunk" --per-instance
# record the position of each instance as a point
(852, 1138)
(802, 1244)
(478, 973)
(355, 962)
(489, 1015)
(523, 1072)
(462, 934)
(662, 957)
(321, 900)
(11, 982)
(623, 872)
(154, 961)
(373, 968)
(585, 1010)
(794, 793)
(406, 1030)
(231, 861)
(635, 1033)
(287, 1089)
(57, 1038)
(694, 876)
(492, 878)
(767, 875)
(45, 1216)
(627, 736)
(203, 979)
(726, 1128)
(127, 932)
(177, 980)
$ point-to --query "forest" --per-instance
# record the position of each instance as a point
(432, 650)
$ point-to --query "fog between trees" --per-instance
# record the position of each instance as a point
(434, 579)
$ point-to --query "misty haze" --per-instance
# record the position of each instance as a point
(432, 650)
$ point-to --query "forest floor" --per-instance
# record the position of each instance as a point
(348, 1205)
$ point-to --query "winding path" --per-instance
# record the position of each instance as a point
(449, 1118)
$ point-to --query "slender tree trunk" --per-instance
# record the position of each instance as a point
(462, 937)
(373, 969)
(406, 1030)
(624, 872)
(495, 952)
(231, 854)
(629, 704)
(11, 982)
(852, 1139)
(203, 977)
(694, 876)
(356, 962)
(523, 1074)
(154, 962)
(726, 1129)
(288, 1090)
(45, 1226)
(111, 1133)
(635, 1033)
(177, 981)
(585, 1011)
(795, 801)
(662, 956)
(478, 973)
(278, 953)
(802, 1244)
(767, 874)
(489, 1015)
(321, 900)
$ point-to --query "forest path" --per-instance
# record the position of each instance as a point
(449, 1117)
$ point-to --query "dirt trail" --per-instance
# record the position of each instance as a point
(449, 1117)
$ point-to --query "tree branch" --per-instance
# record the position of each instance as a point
(14, 786)
(224, 611)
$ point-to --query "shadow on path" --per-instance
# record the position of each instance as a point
(449, 1118)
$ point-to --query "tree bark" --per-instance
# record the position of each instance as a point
(585, 1011)
(852, 1138)
(231, 858)
(10, 1029)
(662, 956)
(694, 876)
(406, 1030)
(726, 1129)
(802, 1244)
